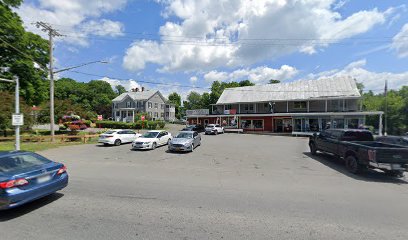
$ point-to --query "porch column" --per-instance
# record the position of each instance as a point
(239, 108)
(287, 106)
(326, 106)
(344, 105)
(308, 106)
(133, 116)
(380, 126)
(254, 107)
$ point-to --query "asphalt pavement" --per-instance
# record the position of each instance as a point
(234, 186)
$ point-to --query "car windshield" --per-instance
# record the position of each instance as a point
(211, 125)
(150, 135)
(184, 135)
(110, 132)
(17, 163)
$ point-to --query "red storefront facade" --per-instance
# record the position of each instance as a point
(247, 123)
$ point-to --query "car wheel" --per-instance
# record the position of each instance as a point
(168, 141)
(154, 145)
(352, 165)
(216, 132)
(117, 142)
(106, 144)
(313, 149)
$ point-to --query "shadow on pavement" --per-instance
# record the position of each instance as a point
(369, 175)
(10, 214)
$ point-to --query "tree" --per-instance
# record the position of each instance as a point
(175, 98)
(120, 89)
(274, 81)
(193, 101)
(7, 108)
(20, 52)
(245, 83)
(95, 96)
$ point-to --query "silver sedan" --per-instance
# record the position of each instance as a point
(185, 141)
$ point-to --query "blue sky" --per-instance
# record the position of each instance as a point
(192, 43)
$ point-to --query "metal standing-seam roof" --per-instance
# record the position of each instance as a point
(135, 95)
(299, 90)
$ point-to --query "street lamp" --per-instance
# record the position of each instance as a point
(52, 72)
(17, 113)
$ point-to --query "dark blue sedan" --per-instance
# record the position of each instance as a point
(27, 176)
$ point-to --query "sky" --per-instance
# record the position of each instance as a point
(184, 45)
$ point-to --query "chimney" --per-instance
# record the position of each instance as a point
(142, 89)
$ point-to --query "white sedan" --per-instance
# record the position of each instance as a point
(152, 139)
(213, 129)
(117, 137)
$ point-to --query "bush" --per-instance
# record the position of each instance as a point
(73, 127)
(152, 125)
(161, 124)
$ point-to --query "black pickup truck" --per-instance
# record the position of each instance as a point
(359, 150)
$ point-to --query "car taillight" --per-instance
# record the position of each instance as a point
(371, 155)
(62, 170)
(13, 183)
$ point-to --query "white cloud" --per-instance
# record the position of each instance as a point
(127, 84)
(400, 42)
(372, 80)
(193, 79)
(231, 33)
(76, 19)
(257, 75)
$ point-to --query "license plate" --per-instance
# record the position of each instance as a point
(177, 149)
(44, 179)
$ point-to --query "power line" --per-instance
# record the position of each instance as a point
(209, 88)
(22, 53)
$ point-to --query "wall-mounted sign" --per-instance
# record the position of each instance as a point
(198, 112)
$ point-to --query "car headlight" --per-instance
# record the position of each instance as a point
(145, 143)
(187, 144)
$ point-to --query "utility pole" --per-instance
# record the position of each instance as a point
(386, 107)
(45, 27)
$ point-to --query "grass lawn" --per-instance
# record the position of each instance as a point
(39, 146)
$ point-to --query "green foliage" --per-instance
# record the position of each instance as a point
(7, 108)
(18, 51)
(175, 98)
(120, 89)
(397, 109)
(197, 101)
(151, 125)
(274, 81)
(95, 96)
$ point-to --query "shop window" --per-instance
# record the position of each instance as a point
(300, 105)
(258, 124)
(298, 125)
(338, 123)
(252, 124)
(352, 123)
(313, 125)
(228, 107)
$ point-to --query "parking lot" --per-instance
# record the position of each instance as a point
(234, 186)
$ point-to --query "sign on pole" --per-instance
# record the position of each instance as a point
(17, 120)
(100, 118)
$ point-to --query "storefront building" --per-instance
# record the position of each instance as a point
(299, 108)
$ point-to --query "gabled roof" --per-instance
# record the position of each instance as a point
(299, 90)
(145, 95)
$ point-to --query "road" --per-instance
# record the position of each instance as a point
(232, 187)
